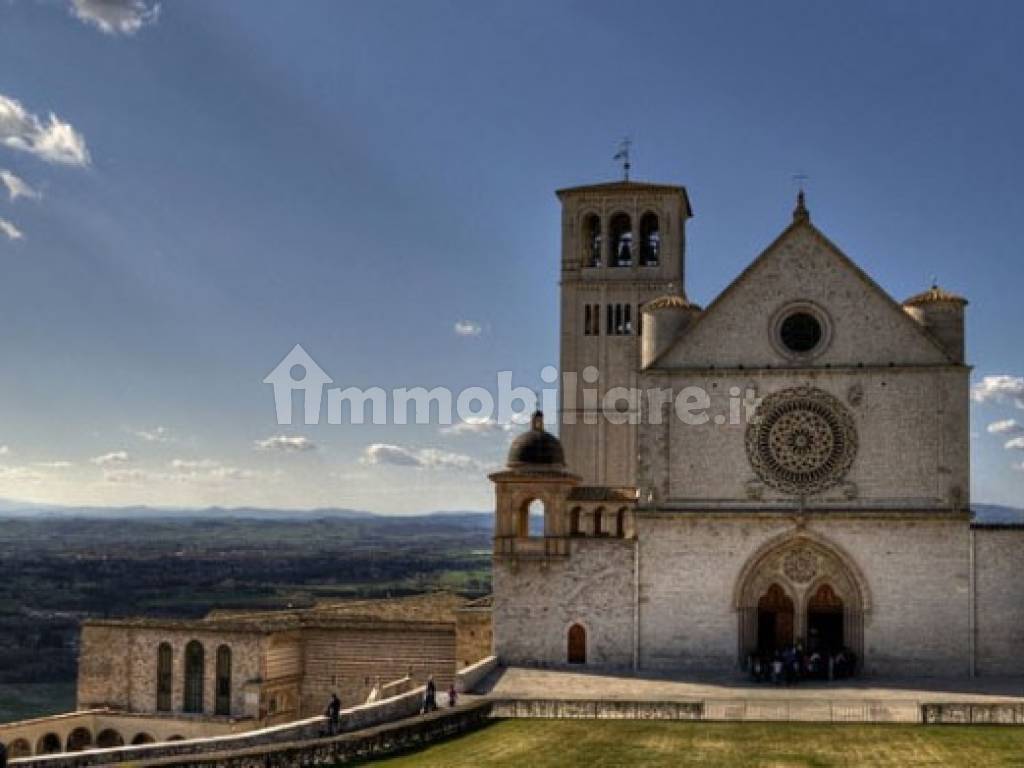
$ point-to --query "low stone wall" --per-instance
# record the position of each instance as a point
(377, 742)
(353, 719)
(468, 678)
(599, 710)
(968, 714)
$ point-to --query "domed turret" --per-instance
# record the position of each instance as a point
(664, 319)
(536, 448)
(941, 313)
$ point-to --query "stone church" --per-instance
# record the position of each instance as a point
(789, 464)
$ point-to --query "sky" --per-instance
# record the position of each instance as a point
(190, 189)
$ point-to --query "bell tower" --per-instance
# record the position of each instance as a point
(623, 244)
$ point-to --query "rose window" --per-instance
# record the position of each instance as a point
(803, 441)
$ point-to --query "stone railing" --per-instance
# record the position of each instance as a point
(394, 688)
(598, 709)
(468, 678)
(377, 742)
(995, 713)
(353, 719)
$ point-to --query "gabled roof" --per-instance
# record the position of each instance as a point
(801, 219)
(628, 186)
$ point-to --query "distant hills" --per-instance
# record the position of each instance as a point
(12, 508)
(984, 513)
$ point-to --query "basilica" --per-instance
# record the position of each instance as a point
(788, 465)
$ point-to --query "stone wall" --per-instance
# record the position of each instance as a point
(999, 601)
(914, 570)
(537, 601)
(118, 666)
(197, 733)
(474, 636)
(350, 662)
(911, 426)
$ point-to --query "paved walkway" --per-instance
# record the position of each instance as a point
(523, 683)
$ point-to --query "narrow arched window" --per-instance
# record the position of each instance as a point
(164, 677)
(223, 706)
(620, 523)
(195, 662)
(592, 241)
(621, 233)
(598, 521)
(650, 240)
(574, 521)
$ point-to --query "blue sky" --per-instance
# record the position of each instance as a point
(220, 181)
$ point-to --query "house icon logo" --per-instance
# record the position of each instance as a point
(298, 371)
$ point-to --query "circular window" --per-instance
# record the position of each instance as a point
(803, 441)
(800, 330)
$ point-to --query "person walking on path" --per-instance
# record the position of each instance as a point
(430, 696)
(334, 715)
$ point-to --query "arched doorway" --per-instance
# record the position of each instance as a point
(774, 620)
(577, 651)
(801, 588)
(19, 748)
(142, 738)
(825, 621)
(79, 739)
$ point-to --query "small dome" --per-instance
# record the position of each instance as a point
(536, 447)
(934, 295)
(671, 300)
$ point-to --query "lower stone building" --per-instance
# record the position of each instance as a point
(277, 666)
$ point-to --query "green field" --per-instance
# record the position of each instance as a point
(601, 743)
(21, 701)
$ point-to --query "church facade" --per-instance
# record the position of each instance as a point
(789, 465)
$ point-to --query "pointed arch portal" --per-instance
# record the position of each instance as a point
(801, 588)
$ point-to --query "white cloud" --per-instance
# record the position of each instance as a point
(54, 141)
(17, 187)
(54, 464)
(20, 474)
(286, 443)
(1015, 444)
(12, 232)
(206, 470)
(114, 17)
(155, 435)
(114, 457)
(479, 426)
(425, 458)
(467, 328)
(998, 389)
(1005, 427)
(5, 450)
(126, 476)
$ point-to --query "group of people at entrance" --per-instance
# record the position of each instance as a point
(790, 665)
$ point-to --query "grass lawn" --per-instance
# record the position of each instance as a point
(23, 701)
(595, 743)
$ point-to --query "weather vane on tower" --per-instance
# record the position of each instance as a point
(623, 155)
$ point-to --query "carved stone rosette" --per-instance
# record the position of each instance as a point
(802, 441)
